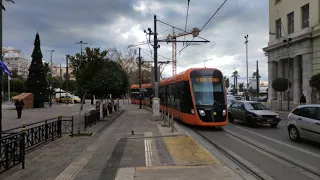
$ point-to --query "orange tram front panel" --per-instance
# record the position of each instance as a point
(196, 97)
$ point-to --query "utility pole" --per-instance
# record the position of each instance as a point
(67, 75)
(51, 51)
(50, 98)
(60, 81)
(234, 85)
(1, 72)
(246, 42)
(258, 83)
(139, 65)
(81, 42)
(155, 48)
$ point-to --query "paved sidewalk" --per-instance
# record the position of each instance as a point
(153, 152)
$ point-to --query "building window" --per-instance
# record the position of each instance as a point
(305, 16)
(290, 22)
(278, 28)
(277, 1)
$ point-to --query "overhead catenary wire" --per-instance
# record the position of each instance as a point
(185, 28)
(205, 24)
(152, 57)
(178, 28)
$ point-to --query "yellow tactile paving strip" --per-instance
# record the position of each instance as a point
(185, 151)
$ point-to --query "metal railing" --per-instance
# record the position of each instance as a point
(16, 141)
(91, 118)
(43, 131)
(12, 151)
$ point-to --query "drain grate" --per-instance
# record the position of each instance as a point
(110, 169)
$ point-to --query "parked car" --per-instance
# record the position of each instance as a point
(253, 113)
(304, 122)
(230, 99)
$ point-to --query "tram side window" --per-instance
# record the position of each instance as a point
(177, 95)
(169, 102)
(186, 99)
(162, 94)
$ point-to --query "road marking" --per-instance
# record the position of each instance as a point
(282, 143)
(150, 149)
(272, 156)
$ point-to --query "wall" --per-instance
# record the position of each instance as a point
(287, 6)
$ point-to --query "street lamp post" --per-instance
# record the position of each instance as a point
(246, 42)
(204, 62)
(288, 41)
(82, 100)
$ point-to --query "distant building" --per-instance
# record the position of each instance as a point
(299, 59)
(15, 60)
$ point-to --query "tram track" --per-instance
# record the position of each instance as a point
(296, 165)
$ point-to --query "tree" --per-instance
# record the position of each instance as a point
(254, 75)
(280, 85)
(71, 85)
(36, 82)
(241, 87)
(98, 75)
(227, 82)
(315, 83)
(46, 68)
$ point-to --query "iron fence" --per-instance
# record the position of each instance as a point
(91, 118)
(12, 151)
(16, 141)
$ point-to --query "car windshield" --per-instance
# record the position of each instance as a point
(255, 106)
(208, 90)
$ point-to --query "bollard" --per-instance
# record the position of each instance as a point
(172, 125)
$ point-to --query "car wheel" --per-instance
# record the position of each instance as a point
(231, 119)
(294, 133)
(251, 121)
(274, 125)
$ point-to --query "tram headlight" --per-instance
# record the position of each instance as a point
(224, 112)
(192, 111)
(202, 113)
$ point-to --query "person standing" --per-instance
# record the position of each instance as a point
(19, 106)
(303, 99)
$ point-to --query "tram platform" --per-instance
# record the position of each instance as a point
(132, 147)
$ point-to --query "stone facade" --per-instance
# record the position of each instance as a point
(298, 63)
(299, 60)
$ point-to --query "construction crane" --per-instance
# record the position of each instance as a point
(172, 38)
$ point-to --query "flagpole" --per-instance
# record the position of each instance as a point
(9, 79)
(1, 74)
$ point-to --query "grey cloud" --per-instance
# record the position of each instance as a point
(57, 20)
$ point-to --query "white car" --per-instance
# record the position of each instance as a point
(304, 122)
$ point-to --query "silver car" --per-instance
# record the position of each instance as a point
(304, 122)
(253, 113)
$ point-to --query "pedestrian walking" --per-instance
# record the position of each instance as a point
(303, 99)
(19, 106)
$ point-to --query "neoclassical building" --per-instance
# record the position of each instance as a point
(294, 49)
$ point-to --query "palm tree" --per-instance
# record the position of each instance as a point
(254, 75)
(235, 76)
(2, 7)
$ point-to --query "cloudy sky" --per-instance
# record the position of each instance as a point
(117, 23)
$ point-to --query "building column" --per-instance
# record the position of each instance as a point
(296, 79)
(306, 75)
(272, 74)
(280, 75)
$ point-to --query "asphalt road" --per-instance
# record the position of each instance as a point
(298, 158)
